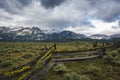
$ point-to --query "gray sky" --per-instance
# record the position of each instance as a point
(81, 16)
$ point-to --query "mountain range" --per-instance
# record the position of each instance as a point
(36, 34)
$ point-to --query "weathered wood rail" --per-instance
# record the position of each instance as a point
(76, 53)
(40, 73)
(77, 59)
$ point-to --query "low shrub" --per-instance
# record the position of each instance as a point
(74, 76)
(119, 50)
(60, 68)
(112, 57)
(17, 50)
(27, 56)
(84, 77)
(6, 63)
(14, 67)
(8, 54)
(92, 69)
(8, 58)
(20, 58)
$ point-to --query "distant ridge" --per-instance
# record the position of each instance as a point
(99, 36)
(36, 34)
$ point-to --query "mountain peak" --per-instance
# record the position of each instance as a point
(99, 36)
(115, 36)
(35, 33)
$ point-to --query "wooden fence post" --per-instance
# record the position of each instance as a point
(46, 47)
(94, 43)
(103, 51)
(103, 44)
(55, 46)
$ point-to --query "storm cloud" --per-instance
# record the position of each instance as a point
(107, 10)
(51, 3)
(76, 15)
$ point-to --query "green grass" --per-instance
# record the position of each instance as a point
(15, 54)
(19, 53)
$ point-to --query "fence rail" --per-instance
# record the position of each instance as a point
(77, 59)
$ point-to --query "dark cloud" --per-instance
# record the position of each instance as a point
(64, 13)
(51, 3)
(87, 24)
(10, 6)
(2, 3)
(119, 23)
(5, 18)
(106, 10)
(25, 2)
(14, 6)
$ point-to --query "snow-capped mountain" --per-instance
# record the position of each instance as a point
(21, 33)
(26, 31)
(70, 34)
(36, 34)
(115, 36)
(21, 30)
(99, 36)
(66, 35)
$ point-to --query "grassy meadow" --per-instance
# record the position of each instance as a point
(15, 54)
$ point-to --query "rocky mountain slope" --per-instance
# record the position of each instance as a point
(36, 34)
